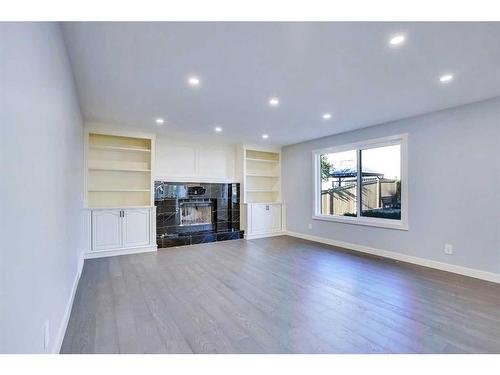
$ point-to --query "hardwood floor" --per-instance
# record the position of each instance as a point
(277, 295)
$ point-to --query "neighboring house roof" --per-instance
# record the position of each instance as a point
(350, 172)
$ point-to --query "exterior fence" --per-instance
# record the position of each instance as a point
(342, 200)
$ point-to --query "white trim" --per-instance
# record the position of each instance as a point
(263, 148)
(56, 348)
(460, 270)
(112, 253)
(118, 130)
(90, 209)
(399, 139)
(264, 235)
(369, 143)
(368, 221)
(195, 180)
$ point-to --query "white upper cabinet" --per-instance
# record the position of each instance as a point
(174, 160)
(204, 162)
(216, 162)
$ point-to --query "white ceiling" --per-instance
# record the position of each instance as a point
(131, 73)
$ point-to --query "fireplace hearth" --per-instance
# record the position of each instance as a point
(188, 213)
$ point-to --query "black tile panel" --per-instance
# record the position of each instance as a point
(203, 238)
(176, 241)
(169, 197)
(225, 236)
(223, 226)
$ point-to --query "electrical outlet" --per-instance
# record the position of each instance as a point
(448, 248)
(46, 336)
(309, 226)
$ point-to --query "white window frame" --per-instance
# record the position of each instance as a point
(400, 139)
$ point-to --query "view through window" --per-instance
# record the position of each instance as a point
(365, 179)
(381, 182)
(339, 180)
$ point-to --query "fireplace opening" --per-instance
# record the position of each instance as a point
(195, 213)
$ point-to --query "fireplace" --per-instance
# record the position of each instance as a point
(190, 213)
(195, 213)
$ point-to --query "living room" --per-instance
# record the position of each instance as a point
(250, 187)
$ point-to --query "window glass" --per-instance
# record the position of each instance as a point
(381, 182)
(339, 183)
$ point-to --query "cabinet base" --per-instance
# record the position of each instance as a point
(198, 237)
(115, 252)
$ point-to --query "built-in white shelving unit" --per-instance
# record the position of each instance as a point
(119, 171)
(119, 185)
(262, 209)
(262, 176)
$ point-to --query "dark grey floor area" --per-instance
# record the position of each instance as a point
(277, 295)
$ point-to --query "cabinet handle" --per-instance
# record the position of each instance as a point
(267, 207)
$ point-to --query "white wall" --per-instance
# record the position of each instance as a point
(454, 188)
(41, 190)
(178, 160)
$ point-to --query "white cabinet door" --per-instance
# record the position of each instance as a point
(260, 218)
(275, 219)
(106, 230)
(136, 227)
(265, 218)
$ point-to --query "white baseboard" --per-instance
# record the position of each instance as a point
(112, 253)
(465, 271)
(263, 235)
(56, 347)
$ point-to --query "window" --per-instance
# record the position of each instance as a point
(363, 183)
(339, 183)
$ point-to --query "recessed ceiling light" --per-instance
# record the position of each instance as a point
(397, 40)
(265, 136)
(274, 102)
(327, 116)
(194, 81)
(218, 129)
(446, 78)
(159, 120)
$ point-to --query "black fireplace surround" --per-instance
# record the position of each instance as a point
(190, 213)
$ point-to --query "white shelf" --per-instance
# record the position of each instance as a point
(265, 202)
(120, 169)
(263, 160)
(114, 207)
(117, 190)
(117, 166)
(119, 148)
(262, 191)
(261, 174)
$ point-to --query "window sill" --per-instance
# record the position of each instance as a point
(380, 223)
